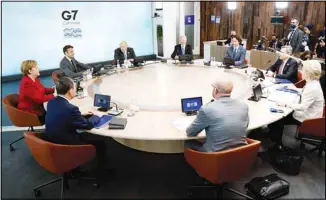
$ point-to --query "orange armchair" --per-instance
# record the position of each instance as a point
(312, 131)
(19, 117)
(56, 75)
(57, 158)
(219, 167)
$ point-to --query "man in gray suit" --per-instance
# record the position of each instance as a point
(236, 51)
(69, 66)
(294, 36)
(225, 121)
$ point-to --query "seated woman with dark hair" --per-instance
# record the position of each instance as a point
(32, 94)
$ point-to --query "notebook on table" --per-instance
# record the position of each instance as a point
(280, 81)
(104, 120)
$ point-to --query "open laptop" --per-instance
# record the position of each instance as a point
(257, 93)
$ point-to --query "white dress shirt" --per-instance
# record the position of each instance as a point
(312, 102)
(280, 70)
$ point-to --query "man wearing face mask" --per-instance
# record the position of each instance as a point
(294, 36)
(285, 67)
(182, 49)
(124, 53)
(308, 41)
(274, 43)
(229, 40)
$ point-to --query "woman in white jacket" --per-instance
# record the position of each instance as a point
(310, 106)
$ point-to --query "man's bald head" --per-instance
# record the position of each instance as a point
(222, 87)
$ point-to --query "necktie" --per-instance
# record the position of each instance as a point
(234, 54)
(74, 66)
(183, 50)
(291, 34)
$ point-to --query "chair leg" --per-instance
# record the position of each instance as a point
(321, 148)
(11, 148)
(64, 184)
(47, 183)
(238, 193)
(219, 190)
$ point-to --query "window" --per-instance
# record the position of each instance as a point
(232, 5)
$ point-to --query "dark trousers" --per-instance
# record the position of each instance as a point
(276, 128)
(99, 144)
(195, 145)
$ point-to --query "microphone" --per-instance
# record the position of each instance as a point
(116, 111)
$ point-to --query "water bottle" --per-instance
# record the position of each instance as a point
(126, 63)
(118, 64)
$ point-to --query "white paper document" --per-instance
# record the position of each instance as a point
(183, 123)
(283, 97)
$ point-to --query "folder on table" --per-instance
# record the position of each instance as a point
(117, 123)
(104, 120)
(280, 81)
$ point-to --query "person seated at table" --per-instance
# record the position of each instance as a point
(310, 105)
(124, 53)
(224, 119)
(228, 42)
(182, 49)
(69, 66)
(63, 120)
(32, 94)
(285, 67)
(275, 43)
(320, 49)
(236, 51)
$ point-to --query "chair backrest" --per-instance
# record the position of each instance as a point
(300, 77)
(19, 117)
(58, 158)
(300, 84)
(56, 75)
(314, 127)
(224, 166)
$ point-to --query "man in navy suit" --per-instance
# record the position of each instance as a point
(124, 53)
(182, 49)
(63, 119)
(236, 51)
(69, 66)
(285, 67)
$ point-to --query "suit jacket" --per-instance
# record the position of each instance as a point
(67, 69)
(277, 44)
(312, 102)
(119, 55)
(32, 95)
(290, 70)
(62, 121)
(240, 56)
(178, 51)
(225, 122)
(296, 40)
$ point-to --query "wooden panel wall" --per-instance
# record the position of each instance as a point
(252, 19)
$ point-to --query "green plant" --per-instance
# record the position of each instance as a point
(159, 30)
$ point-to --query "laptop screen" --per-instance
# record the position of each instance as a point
(191, 104)
(258, 91)
(102, 101)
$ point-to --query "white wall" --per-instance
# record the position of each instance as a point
(197, 28)
(169, 27)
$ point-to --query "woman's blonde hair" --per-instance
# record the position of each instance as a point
(311, 70)
(27, 65)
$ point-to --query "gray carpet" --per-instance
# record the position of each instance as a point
(145, 175)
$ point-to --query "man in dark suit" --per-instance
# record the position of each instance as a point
(294, 36)
(63, 119)
(69, 66)
(182, 49)
(124, 53)
(236, 51)
(275, 43)
(285, 67)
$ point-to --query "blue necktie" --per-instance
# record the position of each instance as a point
(234, 54)
(183, 50)
(125, 54)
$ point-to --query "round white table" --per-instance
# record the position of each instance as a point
(158, 89)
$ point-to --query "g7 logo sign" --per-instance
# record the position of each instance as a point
(66, 15)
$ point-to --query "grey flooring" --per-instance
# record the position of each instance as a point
(146, 175)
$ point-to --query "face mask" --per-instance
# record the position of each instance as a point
(293, 26)
(274, 40)
(232, 36)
